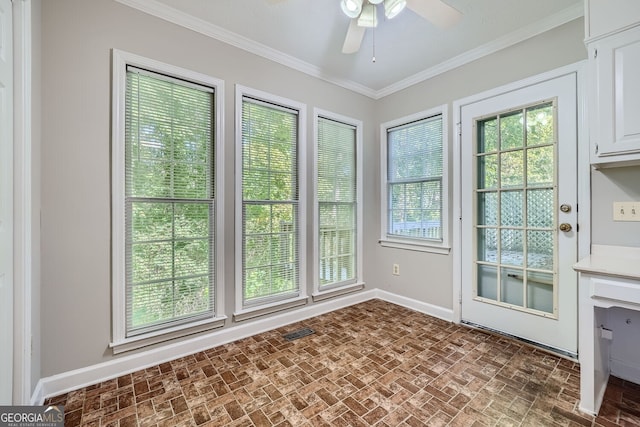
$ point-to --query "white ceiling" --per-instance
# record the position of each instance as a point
(308, 34)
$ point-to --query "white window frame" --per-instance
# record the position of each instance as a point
(319, 292)
(241, 312)
(120, 342)
(408, 243)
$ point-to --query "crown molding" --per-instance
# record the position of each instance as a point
(175, 16)
(167, 13)
(515, 37)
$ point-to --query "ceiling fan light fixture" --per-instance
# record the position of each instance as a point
(368, 18)
(351, 8)
(393, 7)
(375, 1)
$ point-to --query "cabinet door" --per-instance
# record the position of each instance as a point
(615, 105)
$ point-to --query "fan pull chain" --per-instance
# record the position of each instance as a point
(373, 33)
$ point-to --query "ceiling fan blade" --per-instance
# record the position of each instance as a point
(354, 37)
(435, 11)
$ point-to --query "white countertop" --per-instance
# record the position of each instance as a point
(618, 261)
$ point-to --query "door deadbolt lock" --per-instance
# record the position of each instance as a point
(565, 208)
(565, 227)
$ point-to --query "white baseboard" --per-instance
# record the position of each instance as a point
(422, 307)
(72, 380)
(37, 398)
(626, 370)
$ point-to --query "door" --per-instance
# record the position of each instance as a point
(518, 209)
(6, 203)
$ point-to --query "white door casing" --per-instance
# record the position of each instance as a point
(6, 203)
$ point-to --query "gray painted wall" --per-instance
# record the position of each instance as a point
(424, 276)
(77, 37)
(36, 183)
(608, 186)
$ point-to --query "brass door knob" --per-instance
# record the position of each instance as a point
(565, 227)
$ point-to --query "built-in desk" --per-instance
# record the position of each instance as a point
(609, 277)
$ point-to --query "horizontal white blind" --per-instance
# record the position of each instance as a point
(270, 232)
(169, 203)
(337, 202)
(414, 179)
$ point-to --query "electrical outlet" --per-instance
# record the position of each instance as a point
(396, 269)
(626, 211)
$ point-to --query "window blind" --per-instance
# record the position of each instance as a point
(169, 202)
(337, 202)
(414, 179)
(270, 232)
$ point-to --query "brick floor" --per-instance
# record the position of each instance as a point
(372, 364)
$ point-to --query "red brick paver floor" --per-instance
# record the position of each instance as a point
(372, 364)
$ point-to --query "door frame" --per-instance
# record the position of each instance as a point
(26, 204)
(6, 197)
(583, 168)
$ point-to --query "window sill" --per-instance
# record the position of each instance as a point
(413, 246)
(338, 291)
(139, 341)
(261, 310)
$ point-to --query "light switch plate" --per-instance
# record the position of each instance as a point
(626, 211)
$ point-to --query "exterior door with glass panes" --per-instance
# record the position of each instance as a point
(519, 193)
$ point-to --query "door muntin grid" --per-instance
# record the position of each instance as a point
(515, 194)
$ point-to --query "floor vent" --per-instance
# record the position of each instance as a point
(298, 334)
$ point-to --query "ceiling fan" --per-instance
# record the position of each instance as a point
(363, 14)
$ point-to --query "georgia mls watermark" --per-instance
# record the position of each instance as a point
(31, 416)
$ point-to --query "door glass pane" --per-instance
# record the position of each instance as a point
(488, 208)
(487, 279)
(511, 285)
(488, 136)
(511, 247)
(511, 131)
(540, 291)
(540, 249)
(511, 207)
(511, 169)
(487, 244)
(540, 166)
(540, 208)
(540, 125)
(488, 171)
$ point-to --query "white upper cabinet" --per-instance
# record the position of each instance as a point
(613, 39)
(615, 105)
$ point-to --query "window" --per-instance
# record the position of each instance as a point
(164, 204)
(270, 200)
(338, 201)
(415, 182)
